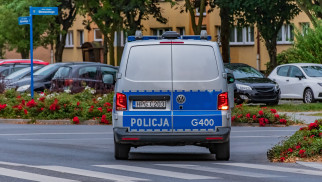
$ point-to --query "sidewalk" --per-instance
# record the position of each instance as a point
(306, 117)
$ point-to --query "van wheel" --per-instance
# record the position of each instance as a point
(222, 151)
(121, 151)
(308, 96)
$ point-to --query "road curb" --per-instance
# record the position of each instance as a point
(47, 122)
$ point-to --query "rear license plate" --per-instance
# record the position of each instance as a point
(149, 104)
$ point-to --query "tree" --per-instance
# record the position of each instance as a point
(16, 36)
(269, 16)
(67, 13)
(313, 8)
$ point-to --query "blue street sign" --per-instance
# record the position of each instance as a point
(24, 20)
(44, 10)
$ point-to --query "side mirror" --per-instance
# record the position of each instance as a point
(108, 79)
(230, 78)
(299, 76)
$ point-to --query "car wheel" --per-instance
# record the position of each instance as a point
(121, 151)
(222, 151)
(308, 96)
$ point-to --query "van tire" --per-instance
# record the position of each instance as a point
(222, 151)
(121, 151)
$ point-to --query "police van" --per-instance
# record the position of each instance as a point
(172, 91)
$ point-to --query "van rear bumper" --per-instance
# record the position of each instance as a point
(122, 136)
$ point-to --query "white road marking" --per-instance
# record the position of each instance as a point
(259, 136)
(316, 165)
(158, 172)
(26, 134)
(65, 139)
(222, 171)
(31, 176)
(255, 131)
(81, 172)
(274, 168)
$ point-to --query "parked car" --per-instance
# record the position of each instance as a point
(42, 78)
(101, 77)
(12, 65)
(299, 81)
(18, 75)
(252, 86)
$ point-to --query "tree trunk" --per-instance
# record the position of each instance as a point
(225, 33)
(24, 54)
(111, 48)
(60, 45)
(272, 52)
(105, 49)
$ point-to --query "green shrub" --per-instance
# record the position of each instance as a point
(85, 105)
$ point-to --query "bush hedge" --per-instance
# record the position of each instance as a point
(76, 107)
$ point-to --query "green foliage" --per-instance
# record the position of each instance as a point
(257, 114)
(313, 8)
(16, 36)
(307, 48)
(305, 143)
(84, 105)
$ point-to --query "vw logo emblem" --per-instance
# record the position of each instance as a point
(181, 99)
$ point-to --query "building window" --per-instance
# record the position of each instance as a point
(81, 37)
(218, 31)
(160, 31)
(285, 34)
(198, 13)
(181, 30)
(242, 36)
(305, 26)
(98, 36)
(69, 39)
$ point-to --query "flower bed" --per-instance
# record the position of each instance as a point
(76, 107)
(305, 144)
(260, 115)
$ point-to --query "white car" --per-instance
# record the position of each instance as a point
(299, 81)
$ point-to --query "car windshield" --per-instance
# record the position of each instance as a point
(246, 72)
(46, 70)
(313, 71)
(20, 73)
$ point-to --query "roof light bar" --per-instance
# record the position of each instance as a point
(169, 35)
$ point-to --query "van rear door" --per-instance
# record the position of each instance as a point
(196, 86)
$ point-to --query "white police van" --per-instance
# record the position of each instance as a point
(172, 91)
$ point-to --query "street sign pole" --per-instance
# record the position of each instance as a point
(31, 56)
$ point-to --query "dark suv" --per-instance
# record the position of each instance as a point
(75, 78)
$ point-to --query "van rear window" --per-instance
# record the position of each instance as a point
(194, 63)
(149, 63)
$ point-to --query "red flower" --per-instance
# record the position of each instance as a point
(109, 110)
(248, 115)
(107, 104)
(302, 153)
(313, 126)
(78, 103)
(42, 99)
(23, 102)
(100, 109)
(75, 120)
(282, 159)
(261, 112)
(25, 111)
(277, 116)
(312, 136)
(104, 120)
(54, 106)
(20, 107)
(239, 116)
(233, 118)
(42, 109)
(266, 121)
(18, 97)
(283, 121)
(290, 150)
(3, 106)
(298, 146)
(320, 134)
(31, 103)
(261, 122)
(273, 111)
(254, 117)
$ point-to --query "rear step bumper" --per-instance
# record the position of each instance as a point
(122, 136)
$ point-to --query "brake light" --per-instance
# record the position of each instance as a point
(223, 101)
(214, 138)
(130, 138)
(121, 102)
(68, 82)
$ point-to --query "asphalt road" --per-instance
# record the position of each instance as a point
(85, 153)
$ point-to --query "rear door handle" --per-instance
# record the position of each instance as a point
(287, 80)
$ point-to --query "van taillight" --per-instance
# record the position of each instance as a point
(121, 102)
(223, 101)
